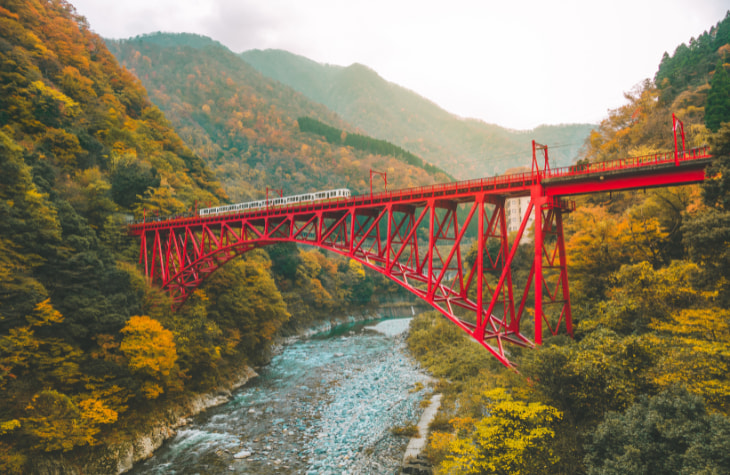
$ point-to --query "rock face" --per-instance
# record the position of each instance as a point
(120, 457)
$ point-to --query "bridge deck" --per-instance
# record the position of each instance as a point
(639, 172)
(417, 237)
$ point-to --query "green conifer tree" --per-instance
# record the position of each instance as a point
(717, 106)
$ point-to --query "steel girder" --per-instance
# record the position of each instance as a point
(419, 238)
(420, 243)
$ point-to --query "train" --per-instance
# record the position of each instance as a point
(277, 201)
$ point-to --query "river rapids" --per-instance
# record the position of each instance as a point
(325, 404)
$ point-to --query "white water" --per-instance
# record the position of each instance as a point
(323, 405)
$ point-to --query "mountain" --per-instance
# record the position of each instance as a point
(81, 146)
(463, 147)
(244, 125)
(90, 353)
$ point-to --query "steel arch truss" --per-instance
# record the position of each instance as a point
(453, 253)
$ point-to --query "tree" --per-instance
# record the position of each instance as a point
(29, 233)
(640, 294)
(284, 259)
(359, 283)
(514, 438)
(706, 235)
(90, 195)
(130, 181)
(716, 187)
(717, 106)
(150, 351)
(584, 379)
(244, 297)
(54, 422)
(695, 347)
(668, 433)
(600, 242)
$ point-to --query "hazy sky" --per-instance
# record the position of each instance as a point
(515, 63)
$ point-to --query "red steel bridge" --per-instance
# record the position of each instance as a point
(421, 237)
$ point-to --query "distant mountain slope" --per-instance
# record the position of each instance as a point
(245, 125)
(463, 147)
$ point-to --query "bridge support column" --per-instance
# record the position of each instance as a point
(549, 268)
(538, 203)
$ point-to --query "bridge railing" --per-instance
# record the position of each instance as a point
(628, 163)
(505, 182)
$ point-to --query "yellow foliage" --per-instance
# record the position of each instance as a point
(11, 460)
(151, 390)
(514, 438)
(159, 202)
(44, 314)
(16, 349)
(149, 347)
(697, 353)
(95, 411)
(54, 422)
(309, 267)
(356, 269)
(8, 426)
(69, 107)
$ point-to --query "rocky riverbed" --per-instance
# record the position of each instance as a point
(325, 404)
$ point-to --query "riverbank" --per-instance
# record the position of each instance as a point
(324, 405)
(127, 449)
(119, 457)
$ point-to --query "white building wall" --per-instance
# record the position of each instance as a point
(515, 209)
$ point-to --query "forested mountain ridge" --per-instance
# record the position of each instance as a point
(462, 147)
(89, 352)
(245, 125)
(81, 145)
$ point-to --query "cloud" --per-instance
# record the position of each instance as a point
(518, 63)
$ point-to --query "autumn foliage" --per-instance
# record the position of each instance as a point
(643, 387)
(88, 349)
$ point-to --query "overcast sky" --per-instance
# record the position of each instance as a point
(515, 63)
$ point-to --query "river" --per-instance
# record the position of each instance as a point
(324, 405)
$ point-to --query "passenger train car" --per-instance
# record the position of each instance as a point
(277, 201)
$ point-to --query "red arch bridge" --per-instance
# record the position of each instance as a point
(420, 239)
